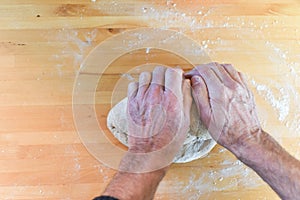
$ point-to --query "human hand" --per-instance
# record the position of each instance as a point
(158, 115)
(226, 106)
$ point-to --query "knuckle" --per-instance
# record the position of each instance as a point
(215, 64)
(228, 65)
(144, 74)
(160, 68)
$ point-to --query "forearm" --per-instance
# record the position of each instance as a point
(139, 186)
(269, 160)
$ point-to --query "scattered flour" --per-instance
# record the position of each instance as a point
(233, 174)
(281, 103)
(282, 96)
(148, 50)
(77, 44)
(128, 76)
(286, 102)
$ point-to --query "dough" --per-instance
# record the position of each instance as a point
(197, 144)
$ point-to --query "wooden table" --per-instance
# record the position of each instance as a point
(43, 43)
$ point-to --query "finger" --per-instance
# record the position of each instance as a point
(197, 70)
(191, 73)
(214, 66)
(132, 90)
(213, 83)
(144, 82)
(201, 97)
(158, 78)
(232, 72)
(173, 81)
(194, 72)
(245, 84)
(187, 97)
(243, 78)
(223, 75)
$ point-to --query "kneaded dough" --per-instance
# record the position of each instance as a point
(197, 144)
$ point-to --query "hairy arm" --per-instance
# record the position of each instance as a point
(134, 186)
(272, 163)
(158, 113)
(226, 106)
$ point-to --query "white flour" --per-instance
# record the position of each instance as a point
(282, 96)
(231, 175)
(76, 44)
(280, 103)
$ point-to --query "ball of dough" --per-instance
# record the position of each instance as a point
(197, 144)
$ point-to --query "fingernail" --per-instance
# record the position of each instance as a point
(178, 70)
(188, 75)
(188, 81)
(197, 78)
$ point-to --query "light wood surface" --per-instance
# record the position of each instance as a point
(43, 43)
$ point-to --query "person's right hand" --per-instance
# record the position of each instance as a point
(226, 106)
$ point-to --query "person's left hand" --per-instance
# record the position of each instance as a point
(158, 115)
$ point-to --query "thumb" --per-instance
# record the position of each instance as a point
(201, 98)
(187, 97)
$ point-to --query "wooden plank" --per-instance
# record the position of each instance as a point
(42, 45)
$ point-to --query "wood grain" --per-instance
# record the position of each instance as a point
(43, 43)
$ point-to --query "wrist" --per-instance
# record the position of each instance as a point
(149, 177)
(249, 145)
(134, 185)
(138, 163)
(258, 150)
